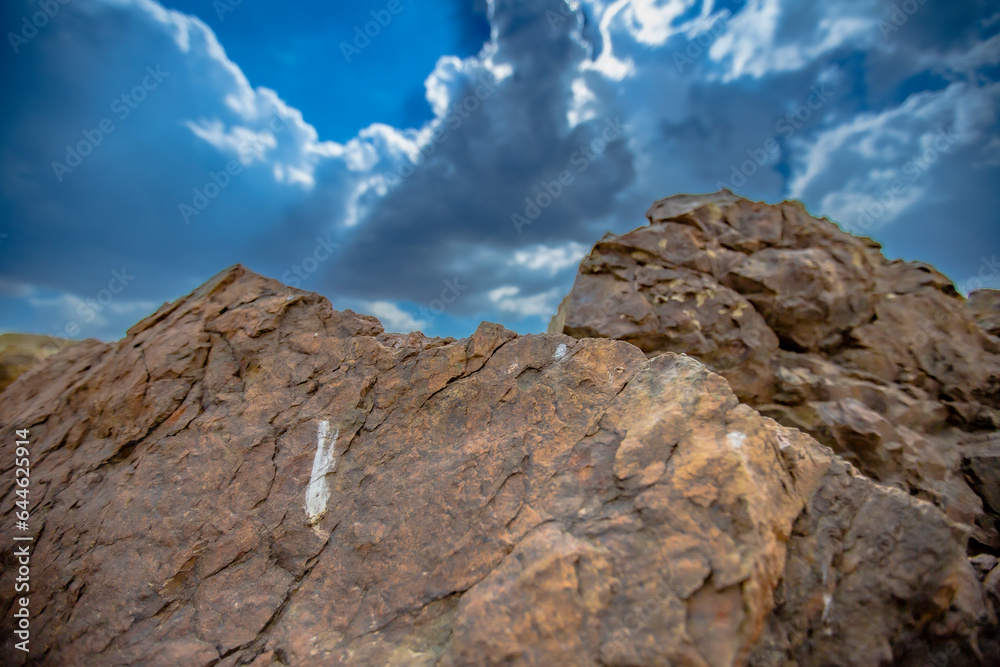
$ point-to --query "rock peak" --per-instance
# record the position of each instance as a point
(252, 477)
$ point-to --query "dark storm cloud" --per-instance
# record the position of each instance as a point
(462, 198)
(351, 221)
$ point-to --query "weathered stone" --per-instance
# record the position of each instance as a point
(880, 360)
(984, 307)
(250, 477)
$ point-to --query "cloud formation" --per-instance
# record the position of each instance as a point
(570, 122)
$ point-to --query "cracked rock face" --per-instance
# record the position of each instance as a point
(880, 360)
(250, 477)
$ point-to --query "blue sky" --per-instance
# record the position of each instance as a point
(455, 163)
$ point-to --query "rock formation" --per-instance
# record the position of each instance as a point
(20, 353)
(984, 307)
(250, 477)
(880, 360)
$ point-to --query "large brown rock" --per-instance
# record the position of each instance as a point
(250, 477)
(984, 306)
(881, 360)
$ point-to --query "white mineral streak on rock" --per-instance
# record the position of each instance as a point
(318, 491)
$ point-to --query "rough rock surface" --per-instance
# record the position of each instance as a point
(878, 359)
(20, 353)
(984, 307)
(250, 477)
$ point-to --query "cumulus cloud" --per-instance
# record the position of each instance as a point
(552, 259)
(872, 169)
(393, 317)
(703, 93)
(537, 305)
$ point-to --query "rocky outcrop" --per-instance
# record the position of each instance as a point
(250, 477)
(878, 359)
(983, 306)
(20, 353)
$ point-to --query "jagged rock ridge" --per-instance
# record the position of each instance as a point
(250, 477)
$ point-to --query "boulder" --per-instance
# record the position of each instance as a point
(251, 477)
(882, 360)
(984, 307)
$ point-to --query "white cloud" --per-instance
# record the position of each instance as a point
(886, 155)
(538, 305)
(393, 317)
(550, 258)
(99, 316)
(607, 64)
(501, 293)
(651, 22)
(240, 142)
(772, 36)
(686, 128)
